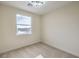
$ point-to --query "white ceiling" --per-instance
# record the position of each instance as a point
(48, 7)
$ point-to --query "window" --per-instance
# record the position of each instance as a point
(23, 24)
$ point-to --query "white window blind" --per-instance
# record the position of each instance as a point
(23, 24)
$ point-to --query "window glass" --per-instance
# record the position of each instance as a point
(23, 24)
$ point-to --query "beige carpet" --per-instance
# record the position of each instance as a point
(38, 50)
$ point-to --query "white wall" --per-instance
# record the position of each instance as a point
(8, 38)
(60, 28)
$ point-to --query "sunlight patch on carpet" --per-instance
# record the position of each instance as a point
(39, 56)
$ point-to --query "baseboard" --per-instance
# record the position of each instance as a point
(59, 49)
(19, 48)
(42, 43)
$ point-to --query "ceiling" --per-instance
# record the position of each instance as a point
(48, 7)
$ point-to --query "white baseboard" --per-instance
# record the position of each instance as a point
(9, 50)
(61, 49)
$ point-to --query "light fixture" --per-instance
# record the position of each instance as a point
(36, 4)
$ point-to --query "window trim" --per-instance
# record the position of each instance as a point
(23, 25)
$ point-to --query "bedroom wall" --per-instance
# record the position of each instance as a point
(60, 28)
(8, 38)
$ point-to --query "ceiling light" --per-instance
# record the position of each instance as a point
(36, 3)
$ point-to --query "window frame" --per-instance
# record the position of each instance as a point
(30, 33)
